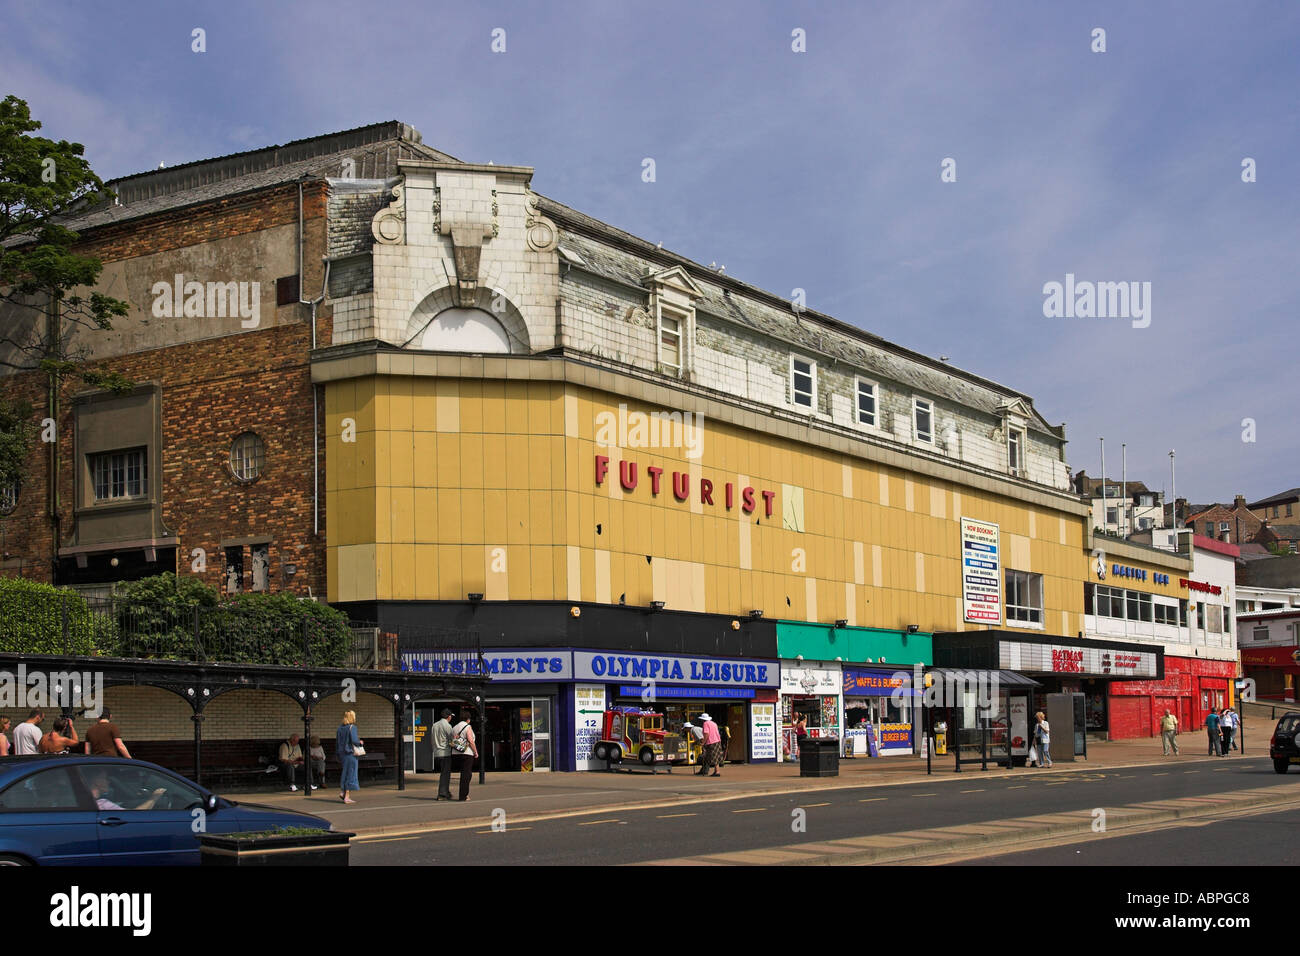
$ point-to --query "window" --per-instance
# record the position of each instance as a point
(234, 569)
(923, 419)
(803, 382)
(866, 403)
(1024, 597)
(120, 474)
(1223, 527)
(1166, 613)
(1214, 619)
(1110, 602)
(287, 290)
(1139, 606)
(119, 787)
(1288, 510)
(670, 341)
(1144, 524)
(1259, 632)
(1209, 529)
(9, 498)
(247, 456)
(1112, 516)
(261, 554)
(1015, 451)
(42, 792)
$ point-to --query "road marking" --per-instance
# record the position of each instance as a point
(393, 839)
(1185, 772)
(670, 816)
(925, 794)
(972, 791)
(809, 806)
(1165, 774)
(508, 830)
(872, 799)
(1020, 787)
(592, 823)
(754, 810)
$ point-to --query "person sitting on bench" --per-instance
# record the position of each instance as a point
(291, 760)
(317, 754)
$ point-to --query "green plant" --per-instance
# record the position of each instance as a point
(32, 618)
(278, 832)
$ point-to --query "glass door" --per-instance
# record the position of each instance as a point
(541, 733)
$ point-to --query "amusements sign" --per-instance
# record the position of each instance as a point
(588, 712)
(981, 572)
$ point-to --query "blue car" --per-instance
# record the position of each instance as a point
(58, 810)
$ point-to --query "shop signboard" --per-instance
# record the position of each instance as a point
(669, 669)
(981, 572)
(1120, 662)
(588, 712)
(860, 682)
(762, 731)
(798, 680)
(499, 663)
(895, 738)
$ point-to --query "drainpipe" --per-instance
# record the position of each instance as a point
(315, 406)
(54, 333)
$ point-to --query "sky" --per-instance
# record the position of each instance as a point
(922, 170)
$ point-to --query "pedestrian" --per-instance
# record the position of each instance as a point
(1228, 723)
(317, 754)
(103, 739)
(694, 745)
(442, 752)
(61, 739)
(1031, 758)
(1212, 732)
(1169, 732)
(1043, 735)
(464, 751)
(712, 745)
(348, 746)
(291, 760)
(4, 737)
(27, 735)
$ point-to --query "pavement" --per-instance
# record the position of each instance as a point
(384, 809)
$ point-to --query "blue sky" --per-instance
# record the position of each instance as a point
(819, 170)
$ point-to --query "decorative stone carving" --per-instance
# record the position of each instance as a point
(437, 210)
(541, 234)
(389, 224)
(635, 315)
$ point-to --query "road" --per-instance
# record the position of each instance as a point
(662, 833)
(1266, 839)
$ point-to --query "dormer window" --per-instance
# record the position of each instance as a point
(865, 413)
(803, 382)
(670, 341)
(923, 420)
(1016, 451)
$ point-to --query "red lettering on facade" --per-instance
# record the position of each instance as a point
(602, 468)
(706, 491)
(731, 496)
(767, 502)
(681, 485)
(654, 474)
(747, 501)
(627, 475)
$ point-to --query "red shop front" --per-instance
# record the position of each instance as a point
(1191, 686)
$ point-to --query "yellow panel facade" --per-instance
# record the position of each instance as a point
(514, 489)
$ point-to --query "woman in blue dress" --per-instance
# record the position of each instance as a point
(347, 739)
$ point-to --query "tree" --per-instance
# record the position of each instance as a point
(46, 289)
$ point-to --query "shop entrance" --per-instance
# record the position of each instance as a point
(730, 716)
(517, 733)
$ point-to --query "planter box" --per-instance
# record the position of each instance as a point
(317, 849)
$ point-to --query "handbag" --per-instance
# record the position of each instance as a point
(358, 751)
(459, 743)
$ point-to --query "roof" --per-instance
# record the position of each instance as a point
(374, 150)
(1286, 532)
(1269, 614)
(1202, 543)
(611, 253)
(1092, 486)
(1291, 494)
(1232, 508)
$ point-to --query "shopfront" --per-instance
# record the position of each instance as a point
(880, 718)
(1060, 665)
(738, 694)
(519, 707)
(812, 693)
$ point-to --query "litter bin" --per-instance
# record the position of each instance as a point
(819, 757)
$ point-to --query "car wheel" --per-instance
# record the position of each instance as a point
(615, 753)
(602, 752)
(1280, 765)
(9, 860)
(647, 756)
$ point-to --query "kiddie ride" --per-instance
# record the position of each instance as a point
(640, 734)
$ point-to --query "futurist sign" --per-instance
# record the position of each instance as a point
(981, 572)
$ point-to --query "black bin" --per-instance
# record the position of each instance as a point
(819, 757)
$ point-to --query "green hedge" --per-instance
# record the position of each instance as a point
(31, 619)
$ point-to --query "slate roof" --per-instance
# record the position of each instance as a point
(1291, 494)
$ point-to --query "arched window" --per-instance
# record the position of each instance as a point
(465, 330)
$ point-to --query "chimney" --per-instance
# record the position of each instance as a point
(1239, 501)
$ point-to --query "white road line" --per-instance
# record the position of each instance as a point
(754, 810)
(592, 823)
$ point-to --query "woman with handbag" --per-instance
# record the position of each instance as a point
(464, 751)
(348, 747)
